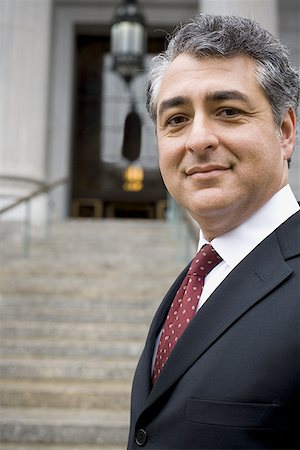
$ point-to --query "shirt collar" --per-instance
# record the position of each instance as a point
(244, 238)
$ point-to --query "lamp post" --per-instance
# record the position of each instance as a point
(128, 40)
(128, 45)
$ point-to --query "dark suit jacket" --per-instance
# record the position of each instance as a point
(232, 381)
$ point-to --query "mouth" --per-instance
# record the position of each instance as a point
(205, 171)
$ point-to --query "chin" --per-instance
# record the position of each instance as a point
(206, 203)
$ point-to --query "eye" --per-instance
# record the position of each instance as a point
(229, 112)
(176, 120)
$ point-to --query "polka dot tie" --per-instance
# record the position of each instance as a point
(184, 305)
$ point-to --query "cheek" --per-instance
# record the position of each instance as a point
(169, 171)
(169, 158)
(257, 169)
(251, 154)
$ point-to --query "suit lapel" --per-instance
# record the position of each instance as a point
(254, 277)
(142, 383)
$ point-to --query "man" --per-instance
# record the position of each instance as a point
(224, 98)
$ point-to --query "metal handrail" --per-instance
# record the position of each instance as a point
(185, 230)
(46, 189)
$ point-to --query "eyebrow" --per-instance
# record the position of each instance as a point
(172, 103)
(214, 96)
(227, 95)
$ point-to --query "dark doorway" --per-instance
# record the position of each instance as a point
(96, 187)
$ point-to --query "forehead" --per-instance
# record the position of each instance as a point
(190, 76)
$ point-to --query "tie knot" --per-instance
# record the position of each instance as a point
(205, 260)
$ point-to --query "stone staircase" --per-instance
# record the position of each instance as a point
(74, 317)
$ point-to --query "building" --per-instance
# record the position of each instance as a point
(62, 107)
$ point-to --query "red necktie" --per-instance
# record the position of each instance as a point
(184, 305)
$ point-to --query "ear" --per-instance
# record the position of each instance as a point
(288, 134)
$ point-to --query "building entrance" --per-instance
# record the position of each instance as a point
(101, 103)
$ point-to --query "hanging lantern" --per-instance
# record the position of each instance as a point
(133, 178)
(128, 39)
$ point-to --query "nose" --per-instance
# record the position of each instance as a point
(202, 135)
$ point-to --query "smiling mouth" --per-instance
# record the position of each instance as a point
(206, 171)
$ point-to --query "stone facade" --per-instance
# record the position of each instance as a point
(37, 41)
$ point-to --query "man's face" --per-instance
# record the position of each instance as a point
(221, 155)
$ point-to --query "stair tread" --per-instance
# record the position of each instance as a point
(58, 447)
(65, 385)
(80, 394)
(34, 446)
(62, 416)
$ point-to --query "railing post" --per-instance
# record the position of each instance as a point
(27, 229)
(185, 237)
(48, 228)
(1, 237)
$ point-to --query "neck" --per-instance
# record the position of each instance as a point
(218, 223)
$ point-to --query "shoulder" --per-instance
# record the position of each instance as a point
(288, 235)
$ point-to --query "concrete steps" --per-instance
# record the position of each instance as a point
(57, 330)
(59, 369)
(71, 348)
(34, 446)
(112, 394)
(74, 318)
(64, 426)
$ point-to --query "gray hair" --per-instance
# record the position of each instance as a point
(230, 36)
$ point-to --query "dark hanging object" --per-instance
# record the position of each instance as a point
(131, 147)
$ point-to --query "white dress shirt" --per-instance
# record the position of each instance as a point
(239, 242)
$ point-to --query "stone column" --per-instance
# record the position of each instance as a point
(263, 11)
(25, 31)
